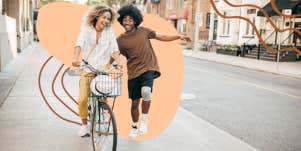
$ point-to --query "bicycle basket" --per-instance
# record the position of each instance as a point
(104, 84)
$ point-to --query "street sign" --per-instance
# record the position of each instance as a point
(287, 11)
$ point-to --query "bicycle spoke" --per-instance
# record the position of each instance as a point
(100, 115)
(104, 134)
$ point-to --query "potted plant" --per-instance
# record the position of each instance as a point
(229, 50)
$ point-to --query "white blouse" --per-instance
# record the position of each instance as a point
(103, 51)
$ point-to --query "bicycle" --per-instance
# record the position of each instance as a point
(103, 85)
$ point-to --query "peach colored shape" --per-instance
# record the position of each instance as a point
(58, 27)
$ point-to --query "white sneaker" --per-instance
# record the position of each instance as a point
(143, 127)
(84, 131)
(134, 133)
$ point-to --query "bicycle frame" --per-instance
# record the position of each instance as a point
(99, 111)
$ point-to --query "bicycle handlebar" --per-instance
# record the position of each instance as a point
(97, 72)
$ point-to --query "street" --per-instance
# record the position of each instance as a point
(241, 73)
(233, 109)
(260, 108)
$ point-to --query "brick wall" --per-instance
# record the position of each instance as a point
(205, 8)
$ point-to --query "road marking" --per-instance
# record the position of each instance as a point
(250, 83)
(209, 135)
(188, 96)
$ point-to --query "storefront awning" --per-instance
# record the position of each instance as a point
(174, 16)
(184, 15)
(295, 5)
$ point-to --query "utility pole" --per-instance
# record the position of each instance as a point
(279, 44)
(197, 25)
(286, 12)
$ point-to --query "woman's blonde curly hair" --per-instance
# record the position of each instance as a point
(97, 11)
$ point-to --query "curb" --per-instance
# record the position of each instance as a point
(245, 67)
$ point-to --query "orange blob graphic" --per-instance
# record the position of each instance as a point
(58, 27)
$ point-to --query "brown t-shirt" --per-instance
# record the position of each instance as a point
(137, 49)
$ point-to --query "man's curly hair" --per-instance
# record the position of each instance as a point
(133, 12)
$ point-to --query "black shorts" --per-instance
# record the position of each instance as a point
(135, 85)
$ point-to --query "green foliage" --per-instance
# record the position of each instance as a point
(229, 47)
(111, 2)
(89, 2)
(189, 47)
(94, 2)
(45, 2)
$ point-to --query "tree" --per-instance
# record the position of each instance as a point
(109, 2)
(90, 2)
(45, 2)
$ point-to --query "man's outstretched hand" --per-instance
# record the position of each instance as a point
(185, 38)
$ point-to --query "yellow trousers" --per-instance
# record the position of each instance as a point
(84, 91)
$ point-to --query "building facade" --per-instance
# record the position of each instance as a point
(239, 32)
(181, 13)
(234, 31)
(17, 34)
(205, 18)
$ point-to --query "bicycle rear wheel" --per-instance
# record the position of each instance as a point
(104, 128)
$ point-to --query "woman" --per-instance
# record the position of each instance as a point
(98, 43)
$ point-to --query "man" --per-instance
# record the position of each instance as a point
(142, 62)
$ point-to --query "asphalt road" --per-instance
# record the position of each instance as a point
(262, 109)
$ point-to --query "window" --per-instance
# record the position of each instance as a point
(3, 11)
(184, 26)
(249, 29)
(253, 30)
(226, 25)
(193, 14)
(251, 11)
(155, 1)
(215, 16)
(170, 4)
(185, 3)
(208, 20)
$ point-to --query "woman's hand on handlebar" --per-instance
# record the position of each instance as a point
(76, 63)
(116, 65)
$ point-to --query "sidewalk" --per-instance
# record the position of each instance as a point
(11, 72)
(27, 124)
(292, 69)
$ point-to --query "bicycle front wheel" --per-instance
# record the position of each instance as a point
(104, 128)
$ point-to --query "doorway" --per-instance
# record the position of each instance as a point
(297, 37)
